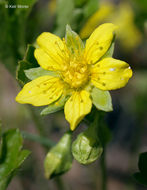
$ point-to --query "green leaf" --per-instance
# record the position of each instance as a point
(11, 155)
(56, 106)
(142, 4)
(38, 72)
(28, 62)
(63, 17)
(73, 41)
(28, 2)
(12, 32)
(79, 3)
(29, 55)
(141, 177)
(6, 52)
(4, 183)
(90, 8)
(59, 158)
(101, 99)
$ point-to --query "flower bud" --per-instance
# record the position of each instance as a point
(59, 158)
(87, 147)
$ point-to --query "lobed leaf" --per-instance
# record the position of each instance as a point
(28, 62)
(11, 156)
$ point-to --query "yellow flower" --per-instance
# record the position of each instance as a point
(131, 37)
(78, 70)
(98, 17)
(121, 15)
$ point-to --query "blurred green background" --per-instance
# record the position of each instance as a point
(128, 121)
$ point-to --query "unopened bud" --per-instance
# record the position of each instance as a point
(59, 158)
(87, 147)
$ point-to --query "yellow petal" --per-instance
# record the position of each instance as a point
(45, 61)
(41, 91)
(99, 42)
(77, 106)
(103, 12)
(110, 74)
(52, 53)
(131, 37)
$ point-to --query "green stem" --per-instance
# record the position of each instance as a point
(102, 134)
(41, 140)
(103, 170)
(59, 183)
(39, 124)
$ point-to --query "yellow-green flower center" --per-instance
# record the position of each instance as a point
(75, 73)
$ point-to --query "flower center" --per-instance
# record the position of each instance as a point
(75, 73)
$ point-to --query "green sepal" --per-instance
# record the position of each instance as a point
(12, 156)
(87, 147)
(55, 106)
(59, 158)
(38, 72)
(110, 51)
(101, 99)
(73, 41)
(141, 177)
(28, 62)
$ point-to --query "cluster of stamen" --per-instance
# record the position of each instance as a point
(75, 73)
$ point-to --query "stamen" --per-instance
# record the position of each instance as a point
(64, 55)
(83, 69)
(75, 73)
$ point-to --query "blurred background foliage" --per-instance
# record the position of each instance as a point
(128, 121)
